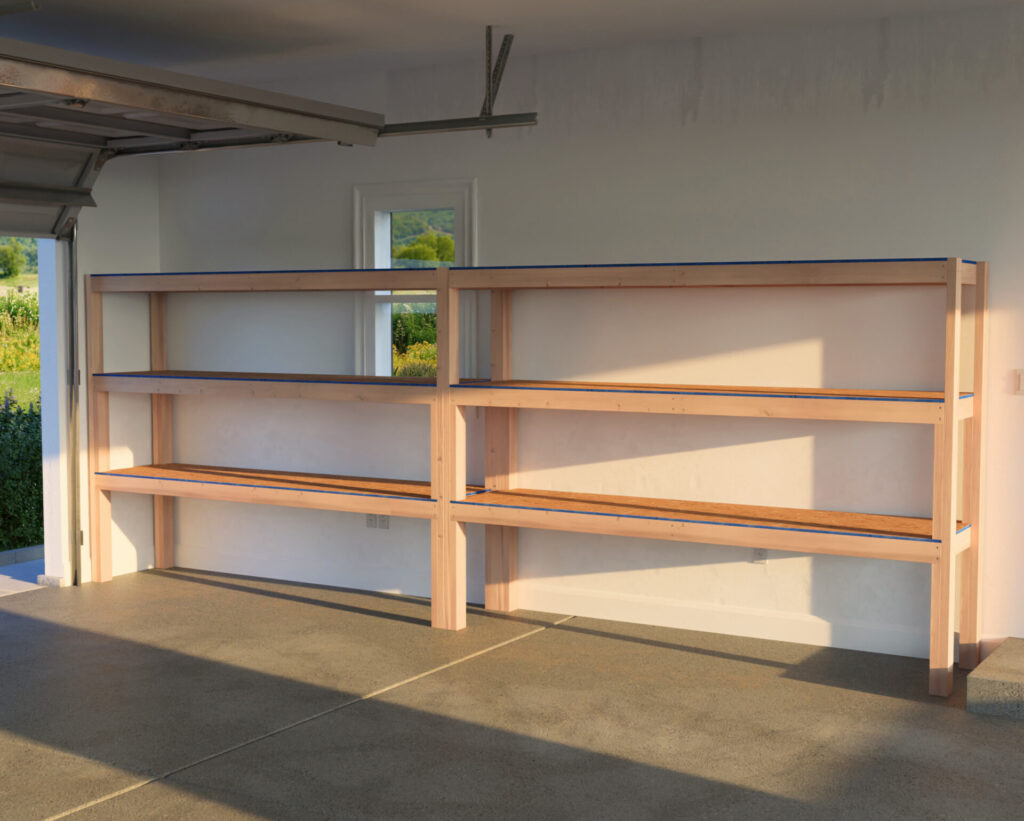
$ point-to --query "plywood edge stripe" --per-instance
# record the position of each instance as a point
(708, 522)
(701, 264)
(262, 487)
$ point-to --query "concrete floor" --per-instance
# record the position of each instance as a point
(185, 695)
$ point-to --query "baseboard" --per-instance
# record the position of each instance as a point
(803, 628)
(21, 554)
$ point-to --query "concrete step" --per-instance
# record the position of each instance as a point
(996, 686)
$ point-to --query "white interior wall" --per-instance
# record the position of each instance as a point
(894, 138)
(121, 235)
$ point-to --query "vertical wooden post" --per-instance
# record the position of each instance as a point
(163, 506)
(501, 424)
(940, 678)
(448, 473)
(974, 454)
(99, 441)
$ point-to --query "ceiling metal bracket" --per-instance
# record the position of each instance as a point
(494, 69)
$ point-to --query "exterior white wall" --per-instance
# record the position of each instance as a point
(889, 138)
(53, 343)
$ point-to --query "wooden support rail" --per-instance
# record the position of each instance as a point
(954, 529)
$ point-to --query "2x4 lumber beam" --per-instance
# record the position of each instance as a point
(708, 275)
(340, 280)
(271, 386)
(838, 544)
(99, 445)
(945, 485)
(501, 568)
(313, 491)
(448, 538)
(163, 506)
(711, 403)
(969, 649)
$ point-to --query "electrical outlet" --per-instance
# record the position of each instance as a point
(759, 556)
(371, 520)
(383, 522)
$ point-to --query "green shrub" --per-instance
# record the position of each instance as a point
(19, 333)
(419, 359)
(21, 475)
(409, 328)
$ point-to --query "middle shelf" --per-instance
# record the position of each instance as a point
(355, 494)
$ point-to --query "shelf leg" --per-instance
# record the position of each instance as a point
(940, 654)
(163, 506)
(448, 574)
(969, 654)
(945, 496)
(502, 568)
(99, 442)
(500, 461)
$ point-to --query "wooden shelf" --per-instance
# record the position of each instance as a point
(415, 279)
(922, 407)
(271, 385)
(393, 497)
(863, 535)
(917, 271)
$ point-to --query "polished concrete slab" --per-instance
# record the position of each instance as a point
(189, 695)
(996, 686)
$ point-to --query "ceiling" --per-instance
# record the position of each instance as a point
(354, 35)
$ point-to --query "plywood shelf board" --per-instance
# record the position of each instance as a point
(904, 528)
(242, 376)
(934, 397)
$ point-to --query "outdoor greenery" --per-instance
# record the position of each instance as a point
(419, 239)
(21, 459)
(19, 263)
(21, 475)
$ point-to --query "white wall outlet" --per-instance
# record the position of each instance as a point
(371, 520)
(759, 556)
(378, 521)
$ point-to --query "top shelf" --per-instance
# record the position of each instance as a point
(911, 271)
(917, 271)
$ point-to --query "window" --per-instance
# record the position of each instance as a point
(412, 225)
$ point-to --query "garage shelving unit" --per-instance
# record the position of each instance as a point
(165, 480)
(503, 507)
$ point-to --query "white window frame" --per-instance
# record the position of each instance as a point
(372, 249)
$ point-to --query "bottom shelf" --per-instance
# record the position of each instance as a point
(395, 497)
(902, 538)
